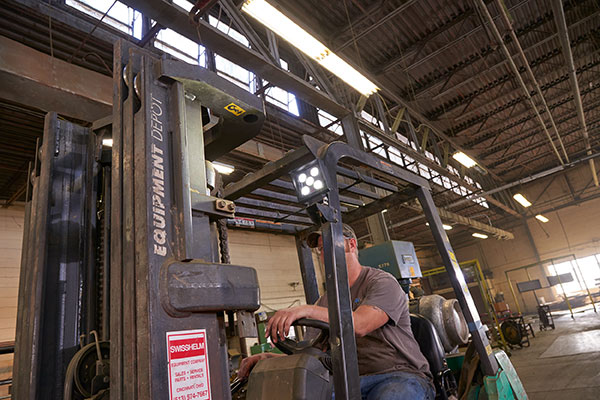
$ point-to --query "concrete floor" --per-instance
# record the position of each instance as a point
(574, 377)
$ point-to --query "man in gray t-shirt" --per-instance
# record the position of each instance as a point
(390, 362)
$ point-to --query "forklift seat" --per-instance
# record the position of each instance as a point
(433, 350)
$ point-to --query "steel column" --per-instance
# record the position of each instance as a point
(307, 269)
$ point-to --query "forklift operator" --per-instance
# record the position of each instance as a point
(390, 362)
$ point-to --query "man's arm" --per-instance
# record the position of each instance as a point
(366, 319)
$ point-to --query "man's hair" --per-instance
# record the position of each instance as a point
(313, 238)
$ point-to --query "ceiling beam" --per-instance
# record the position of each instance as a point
(457, 219)
(41, 81)
(470, 59)
(561, 23)
(498, 37)
(414, 48)
(518, 139)
(524, 116)
(486, 87)
(374, 26)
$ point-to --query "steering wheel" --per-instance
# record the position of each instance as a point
(290, 346)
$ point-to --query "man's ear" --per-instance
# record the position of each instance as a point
(353, 245)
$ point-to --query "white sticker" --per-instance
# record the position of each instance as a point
(188, 365)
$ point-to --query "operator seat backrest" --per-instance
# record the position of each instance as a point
(429, 343)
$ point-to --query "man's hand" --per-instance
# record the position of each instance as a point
(279, 324)
(249, 363)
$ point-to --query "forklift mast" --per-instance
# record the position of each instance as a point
(168, 292)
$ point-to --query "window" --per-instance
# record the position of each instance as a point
(282, 98)
(228, 30)
(120, 16)
(179, 46)
(590, 274)
(234, 73)
(325, 119)
(369, 118)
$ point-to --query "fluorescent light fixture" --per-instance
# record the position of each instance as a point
(224, 169)
(107, 142)
(446, 227)
(540, 217)
(480, 235)
(287, 29)
(522, 200)
(464, 159)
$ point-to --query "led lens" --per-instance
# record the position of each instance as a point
(302, 178)
(314, 171)
(318, 184)
(305, 190)
(310, 180)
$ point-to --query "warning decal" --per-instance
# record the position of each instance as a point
(234, 109)
(188, 365)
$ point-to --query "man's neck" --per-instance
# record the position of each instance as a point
(354, 270)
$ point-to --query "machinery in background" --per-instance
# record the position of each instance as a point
(540, 270)
(546, 318)
(516, 331)
(396, 257)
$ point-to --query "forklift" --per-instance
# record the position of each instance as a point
(126, 288)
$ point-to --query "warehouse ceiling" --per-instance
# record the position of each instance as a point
(437, 58)
(441, 58)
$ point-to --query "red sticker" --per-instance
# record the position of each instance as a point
(188, 365)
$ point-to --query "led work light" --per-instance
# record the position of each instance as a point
(309, 182)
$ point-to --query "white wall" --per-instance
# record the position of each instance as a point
(276, 260)
(11, 235)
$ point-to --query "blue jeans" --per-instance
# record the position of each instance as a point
(396, 386)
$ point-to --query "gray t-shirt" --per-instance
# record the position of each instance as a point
(391, 347)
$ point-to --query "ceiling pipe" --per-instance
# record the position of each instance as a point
(483, 8)
(542, 174)
(561, 24)
(538, 89)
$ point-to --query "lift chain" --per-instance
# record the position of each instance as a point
(223, 241)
